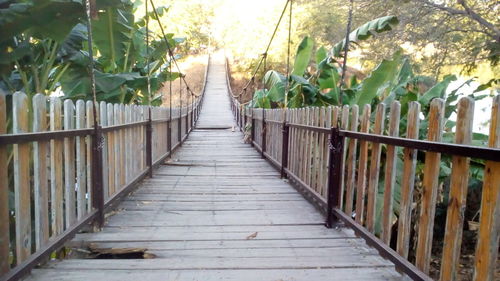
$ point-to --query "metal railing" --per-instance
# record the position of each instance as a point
(84, 182)
(319, 156)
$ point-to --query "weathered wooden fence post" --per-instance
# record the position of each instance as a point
(487, 243)
(244, 119)
(149, 145)
(97, 180)
(252, 133)
(336, 151)
(169, 136)
(284, 150)
(263, 143)
(179, 127)
(4, 192)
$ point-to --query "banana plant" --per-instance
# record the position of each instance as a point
(322, 87)
(366, 31)
(43, 47)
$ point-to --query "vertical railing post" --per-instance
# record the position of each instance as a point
(149, 146)
(238, 119)
(179, 126)
(252, 132)
(97, 180)
(263, 133)
(336, 148)
(242, 116)
(169, 137)
(244, 119)
(193, 121)
(187, 120)
(284, 150)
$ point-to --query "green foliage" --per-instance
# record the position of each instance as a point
(366, 31)
(304, 53)
(112, 32)
(380, 82)
(44, 47)
(40, 19)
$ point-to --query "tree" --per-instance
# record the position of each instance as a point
(437, 35)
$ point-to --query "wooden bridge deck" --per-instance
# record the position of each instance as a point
(217, 211)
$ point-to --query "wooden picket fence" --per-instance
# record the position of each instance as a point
(46, 162)
(346, 152)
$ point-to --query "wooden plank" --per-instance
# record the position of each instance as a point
(22, 192)
(103, 121)
(331, 117)
(69, 165)
(81, 168)
(111, 151)
(291, 137)
(336, 274)
(362, 166)
(314, 151)
(390, 174)
(351, 163)
(297, 142)
(117, 148)
(122, 165)
(127, 143)
(142, 138)
(90, 124)
(56, 169)
(429, 188)
(4, 193)
(40, 179)
(344, 124)
(408, 181)
(222, 263)
(302, 144)
(458, 193)
(487, 243)
(307, 147)
(374, 169)
(165, 245)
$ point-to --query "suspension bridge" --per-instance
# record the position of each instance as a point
(217, 211)
(214, 189)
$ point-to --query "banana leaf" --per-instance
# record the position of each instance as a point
(366, 31)
(303, 56)
(380, 82)
(112, 33)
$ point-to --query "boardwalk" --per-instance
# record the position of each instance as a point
(217, 211)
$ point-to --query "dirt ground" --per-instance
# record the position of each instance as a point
(194, 69)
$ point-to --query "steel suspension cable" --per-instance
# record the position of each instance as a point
(287, 82)
(96, 194)
(346, 51)
(169, 48)
(180, 99)
(170, 96)
(147, 64)
(91, 63)
(264, 55)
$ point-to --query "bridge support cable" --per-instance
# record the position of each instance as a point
(169, 48)
(97, 194)
(181, 81)
(149, 127)
(263, 58)
(287, 82)
(346, 50)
